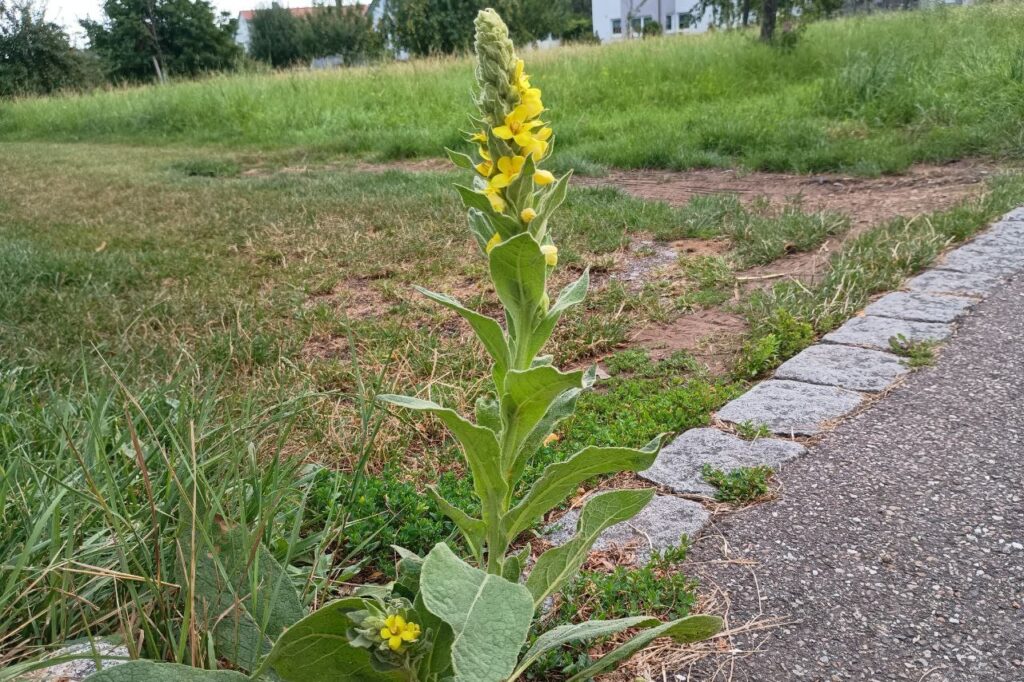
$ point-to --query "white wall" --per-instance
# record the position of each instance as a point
(604, 12)
(242, 34)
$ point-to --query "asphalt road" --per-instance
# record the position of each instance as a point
(897, 548)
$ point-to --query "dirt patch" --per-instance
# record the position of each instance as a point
(712, 336)
(325, 348)
(868, 201)
(357, 298)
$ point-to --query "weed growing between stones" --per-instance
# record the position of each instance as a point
(917, 353)
(740, 486)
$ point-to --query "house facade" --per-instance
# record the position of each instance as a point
(620, 19)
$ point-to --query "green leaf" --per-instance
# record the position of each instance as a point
(316, 648)
(480, 227)
(245, 603)
(573, 294)
(487, 330)
(473, 530)
(528, 396)
(558, 564)
(560, 479)
(519, 274)
(561, 408)
(689, 629)
(459, 159)
(506, 225)
(480, 447)
(489, 616)
(488, 412)
(514, 564)
(592, 629)
(438, 660)
(150, 671)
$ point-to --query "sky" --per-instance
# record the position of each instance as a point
(68, 12)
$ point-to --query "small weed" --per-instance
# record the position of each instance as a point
(748, 430)
(917, 353)
(701, 299)
(708, 272)
(742, 485)
(758, 355)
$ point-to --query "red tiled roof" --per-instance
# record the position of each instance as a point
(302, 11)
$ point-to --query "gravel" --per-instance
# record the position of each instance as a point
(897, 550)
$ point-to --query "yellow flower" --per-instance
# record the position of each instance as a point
(528, 214)
(520, 79)
(480, 136)
(397, 631)
(551, 438)
(494, 241)
(518, 126)
(543, 177)
(493, 195)
(536, 148)
(530, 98)
(484, 168)
(550, 252)
(508, 167)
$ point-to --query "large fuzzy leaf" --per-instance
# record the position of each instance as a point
(559, 480)
(592, 629)
(683, 630)
(244, 596)
(438, 661)
(527, 398)
(150, 671)
(316, 649)
(573, 294)
(487, 330)
(489, 616)
(558, 564)
(519, 273)
(479, 445)
(473, 530)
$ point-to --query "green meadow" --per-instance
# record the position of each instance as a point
(865, 95)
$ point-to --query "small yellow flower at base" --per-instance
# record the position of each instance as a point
(484, 168)
(493, 195)
(551, 438)
(543, 177)
(495, 240)
(397, 631)
(528, 214)
(550, 252)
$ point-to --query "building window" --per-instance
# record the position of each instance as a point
(668, 22)
(616, 26)
(686, 20)
(635, 24)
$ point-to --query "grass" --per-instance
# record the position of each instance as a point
(867, 95)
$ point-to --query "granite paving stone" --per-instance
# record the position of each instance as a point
(919, 307)
(791, 408)
(1015, 214)
(875, 332)
(857, 369)
(990, 258)
(659, 526)
(952, 282)
(679, 464)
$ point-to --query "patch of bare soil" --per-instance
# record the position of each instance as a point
(712, 336)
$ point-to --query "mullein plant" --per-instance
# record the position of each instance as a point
(445, 619)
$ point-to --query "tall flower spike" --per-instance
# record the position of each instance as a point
(495, 68)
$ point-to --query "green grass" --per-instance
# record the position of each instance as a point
(741, 486)
(917, 353)
(866, 95)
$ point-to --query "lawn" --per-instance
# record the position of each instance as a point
(204, 286)
(864, 95)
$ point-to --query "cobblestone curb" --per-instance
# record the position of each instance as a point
(817, 387)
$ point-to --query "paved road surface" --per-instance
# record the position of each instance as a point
(898, 546)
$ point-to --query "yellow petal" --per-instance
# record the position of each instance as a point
(484, 154)
(500, 181)
(395, 643)
(543, 134)
(409, 635)
(497, 203)
(484, 169)
(495, 240)
(550, 252)
(543, 177)
(505, 165)
(503, 132)
(528, 214)
(517, 164)
(479, 137)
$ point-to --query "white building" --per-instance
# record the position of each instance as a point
(618, 19)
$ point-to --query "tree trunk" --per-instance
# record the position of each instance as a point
(769, 8)
(746, 13)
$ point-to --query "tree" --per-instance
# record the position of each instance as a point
(144, 39)
(769, 12)
(35, 55)
(345, 32)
